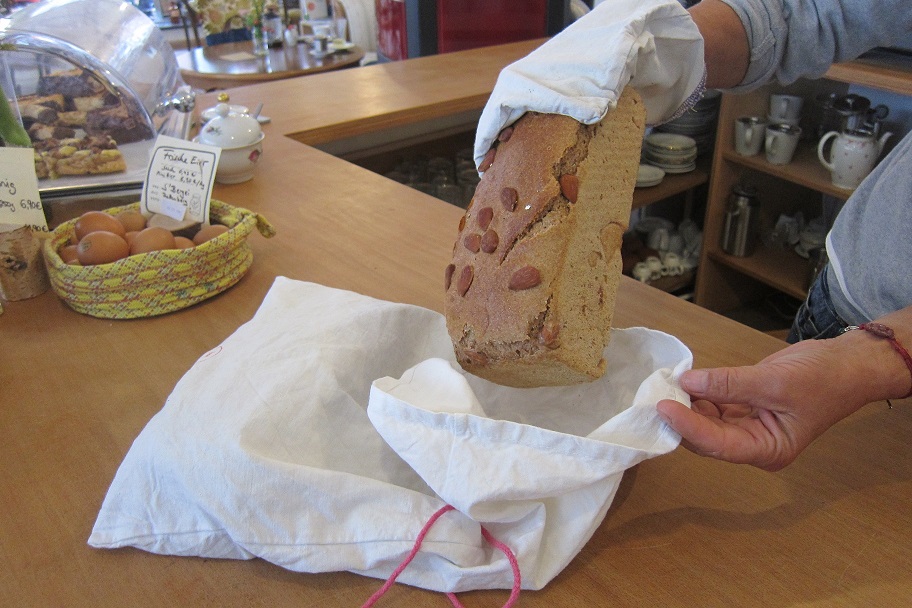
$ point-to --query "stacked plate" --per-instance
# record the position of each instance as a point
(649, 175)
(670, 152)
(699, 122)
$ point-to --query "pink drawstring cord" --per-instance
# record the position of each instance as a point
(514, 565)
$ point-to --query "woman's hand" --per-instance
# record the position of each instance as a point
(766, 414)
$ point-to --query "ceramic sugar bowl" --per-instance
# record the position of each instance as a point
(241, 140)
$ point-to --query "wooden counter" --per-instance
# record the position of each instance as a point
(833, 529)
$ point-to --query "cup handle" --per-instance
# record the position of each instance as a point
(771, 143)
(820, 147)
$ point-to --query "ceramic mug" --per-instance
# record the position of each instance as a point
(781, 142)
(658, 239)
(749, 135)
(641, 272)
(672, 264)
(785, 108)
(654, 264)
(676, 243)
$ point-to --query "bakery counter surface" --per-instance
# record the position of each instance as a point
(830, 530)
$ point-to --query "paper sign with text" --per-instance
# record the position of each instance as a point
(179, 180)
(20, 200)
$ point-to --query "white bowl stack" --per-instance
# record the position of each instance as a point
(649, 175)
(699, 122)
(670, 152)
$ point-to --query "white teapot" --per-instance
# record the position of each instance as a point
(852, 155)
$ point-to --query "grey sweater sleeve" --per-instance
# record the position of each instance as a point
(790, 39)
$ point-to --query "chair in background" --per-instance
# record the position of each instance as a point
(190, 22)
(362, 22)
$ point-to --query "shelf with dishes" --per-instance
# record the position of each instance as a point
(801, 188)
(778, 268)
(676, 156)
(804, 169)
(393, 158)
(671, 185)
(728, 281)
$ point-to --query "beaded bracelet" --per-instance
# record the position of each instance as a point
(882, 331)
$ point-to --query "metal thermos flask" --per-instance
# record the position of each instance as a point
(739, 231)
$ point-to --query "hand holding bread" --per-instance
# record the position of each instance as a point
(651, 45)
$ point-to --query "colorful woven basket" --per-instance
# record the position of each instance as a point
(155, 283)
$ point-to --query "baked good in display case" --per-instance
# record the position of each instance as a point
(93, 83)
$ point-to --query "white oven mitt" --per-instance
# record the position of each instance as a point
(653, 45)
(324, 433)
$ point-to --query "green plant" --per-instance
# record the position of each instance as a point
(11, 131)
(255, 16)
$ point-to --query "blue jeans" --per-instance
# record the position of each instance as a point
(817, 319)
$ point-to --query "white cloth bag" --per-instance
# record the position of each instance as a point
(326, 431)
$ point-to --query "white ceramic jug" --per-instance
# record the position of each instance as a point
(852, 155)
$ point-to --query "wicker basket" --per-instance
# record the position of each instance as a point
(158, 282)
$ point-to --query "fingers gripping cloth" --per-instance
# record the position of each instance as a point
(652, 45)
(514, 565)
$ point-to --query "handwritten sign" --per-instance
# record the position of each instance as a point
(179, 180)
(20, 200)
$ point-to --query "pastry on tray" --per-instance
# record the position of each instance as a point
(70, 83)
(89, 155)
(76, 123)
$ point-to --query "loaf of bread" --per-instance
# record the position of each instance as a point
(531, 288)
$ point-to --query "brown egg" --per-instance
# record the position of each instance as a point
(92, 221)
(69, 253)
(129, 236)
(207, 233)
(133, 221)
(152, 238)
(182, 242)
(101, 247)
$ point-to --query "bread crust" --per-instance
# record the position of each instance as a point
(535, 309)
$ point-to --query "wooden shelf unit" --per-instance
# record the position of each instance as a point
(725, 282)
(672, 185)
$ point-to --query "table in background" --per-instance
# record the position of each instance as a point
(233, 64)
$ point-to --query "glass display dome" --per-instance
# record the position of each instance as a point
(80, 72)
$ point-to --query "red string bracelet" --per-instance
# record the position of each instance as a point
(514, 565)
(882, 331)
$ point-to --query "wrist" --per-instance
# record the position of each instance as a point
(882, 360)
(725, 44)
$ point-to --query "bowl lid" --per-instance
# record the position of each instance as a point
(230, 130)
(210, 113)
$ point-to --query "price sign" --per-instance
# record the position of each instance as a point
(20, 200)
(179, 180)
